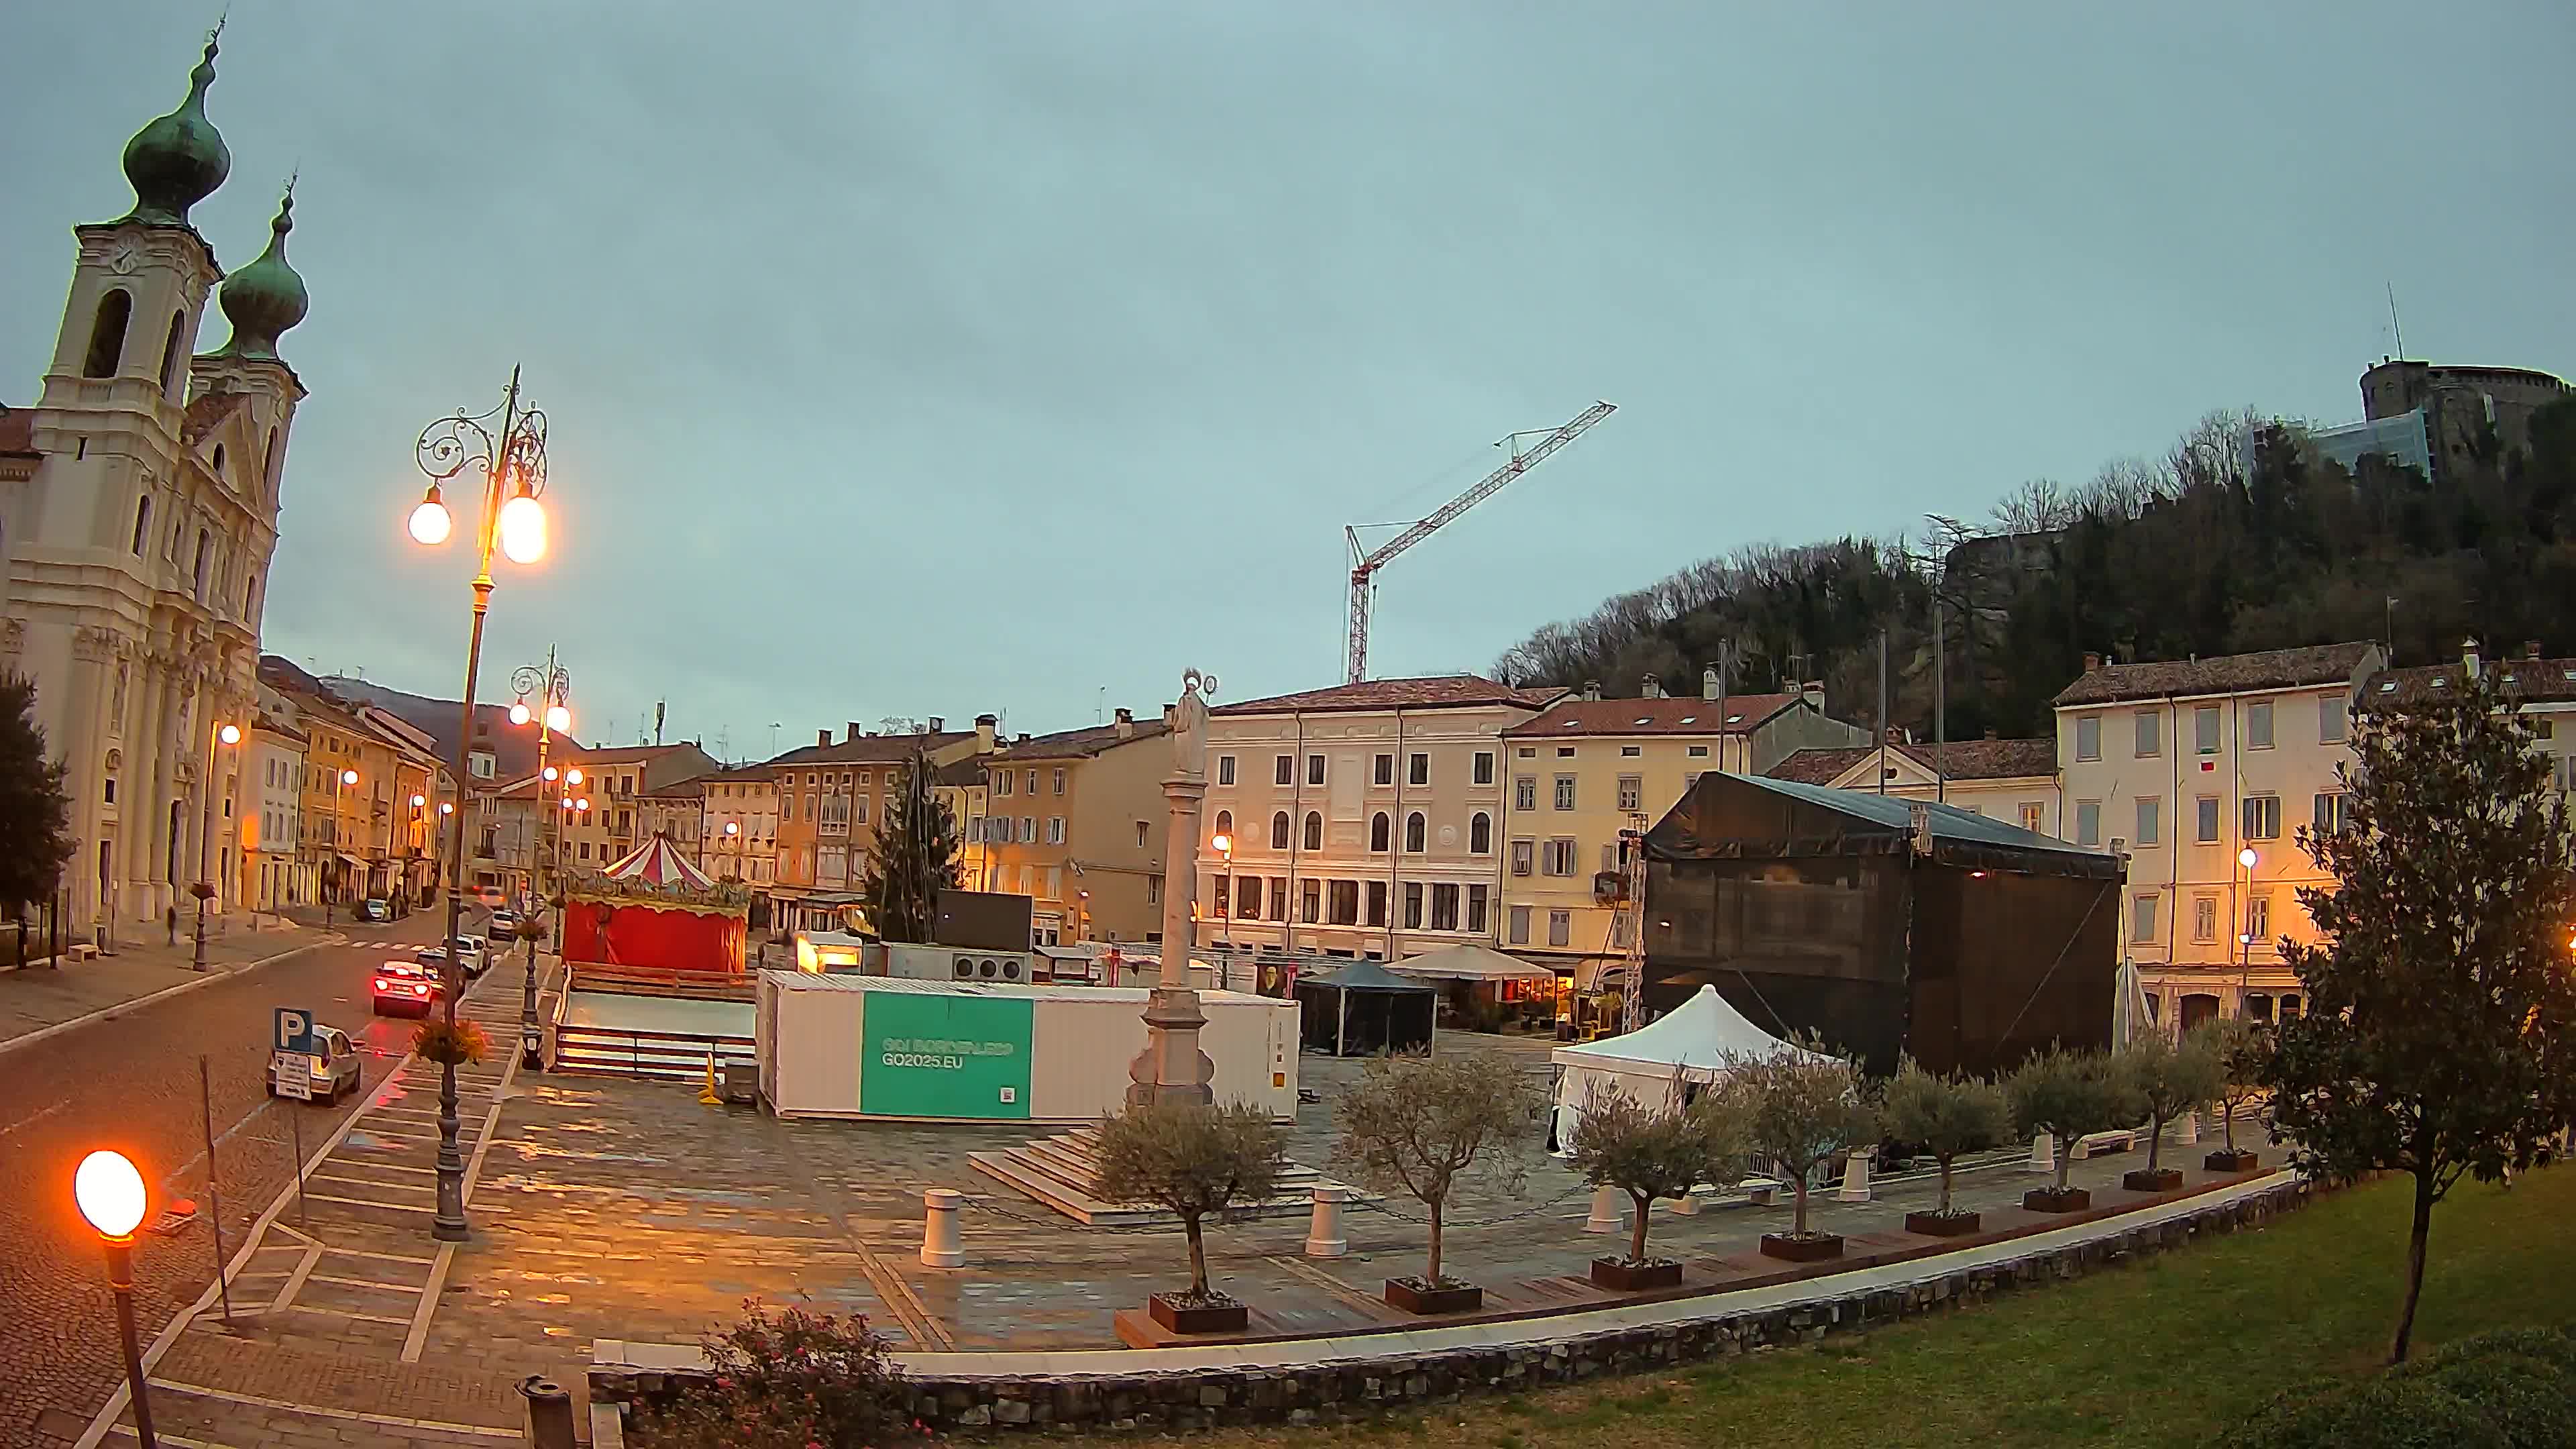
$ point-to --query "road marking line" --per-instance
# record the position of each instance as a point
(369, 1182)
(323, 1411)
(392, 1207)
(341, 1313)
(428, 1305)
(366, 1283)
(385, 1167)
(295, 1281)
(166, 1437)
(381, 1257)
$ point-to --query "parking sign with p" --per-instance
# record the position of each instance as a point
(294, 1031)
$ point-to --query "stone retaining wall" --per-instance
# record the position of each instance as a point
(1351, 1387)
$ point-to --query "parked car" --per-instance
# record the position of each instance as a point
(376, 908)
(407, 987)
(335, 1066)
(472, 955)
(505, 924)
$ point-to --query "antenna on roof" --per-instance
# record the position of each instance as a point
(2393, 324)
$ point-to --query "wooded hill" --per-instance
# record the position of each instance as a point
(2217, 547)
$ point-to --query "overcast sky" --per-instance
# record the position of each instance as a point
(944, 357)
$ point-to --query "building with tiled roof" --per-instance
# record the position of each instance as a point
(1364, 819)
(2191, 766)
(2014, 781)
(1077, 821)
(832, 798)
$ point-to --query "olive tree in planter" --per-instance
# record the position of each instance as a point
(1947, 1117)
(2244, 1049)
(1192, 1159)
(2170, 1078)
(1800, 1106)
(1649, 1153)
(2070, 1096)
(1422, 1126)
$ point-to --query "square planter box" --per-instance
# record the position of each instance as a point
(2162, 1179)
(1225, 1317)
(1791, 1249)
(1620, 1276)
(2051, 1200)
(1413, 1296)
(2225, 1161)
(1941, 1225)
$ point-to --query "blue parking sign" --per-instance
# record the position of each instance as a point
(294, 1031)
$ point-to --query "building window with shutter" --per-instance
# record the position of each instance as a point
(1565, 792)
(1560, 928)
(1632, 792)
(1517, 926)
(1525, 792)
(1523, 851)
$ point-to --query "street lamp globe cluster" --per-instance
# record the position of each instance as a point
(512, 461)
(552, 686)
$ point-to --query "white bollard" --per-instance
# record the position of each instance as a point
(939, 1247)
(1324, 1233)
(2043, 1154)
(2187, 1131)
(1855, 1178)
(1606, 1216)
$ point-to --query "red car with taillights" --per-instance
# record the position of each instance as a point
(403, 988)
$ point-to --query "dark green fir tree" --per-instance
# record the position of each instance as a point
(915, 857)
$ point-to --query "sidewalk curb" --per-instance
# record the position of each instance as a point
(110, 1013)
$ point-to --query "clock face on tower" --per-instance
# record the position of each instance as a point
(125, 258)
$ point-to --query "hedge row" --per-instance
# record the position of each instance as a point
(2514, 1388)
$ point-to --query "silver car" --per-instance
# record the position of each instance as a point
(335, 1066)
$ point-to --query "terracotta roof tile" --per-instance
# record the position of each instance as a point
(1687, 716)
(1958, 760)
(17, 430)
(870, 749)
(2541, 680)
(1441, 691)
(2225, 674)
(1081, 744)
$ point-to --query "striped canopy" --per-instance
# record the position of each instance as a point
(655, 863)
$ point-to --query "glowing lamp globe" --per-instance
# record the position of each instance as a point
(110, 1193)
(1224, 844)
(348, 777)
(559, 719)
(553, 774)
(523, 529)
(2246, 857)
(229, 734)
(418, 801)
(429, 522)
(573, 775)
(446, 807)
(582, 804)
(731, 828)
(519, 713)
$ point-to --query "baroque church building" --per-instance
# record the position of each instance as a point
(138, 515)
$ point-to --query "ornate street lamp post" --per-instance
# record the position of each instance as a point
(205, 889)
(552, 686)
(110, 1194)
(514, 475)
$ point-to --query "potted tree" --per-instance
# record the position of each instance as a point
(2070, 1096)
(1191, 1160)
(1649, 1153)
(1946, 1117)
(1800, 1106)
(1422, 1126)
(2170, 1078)
(2244, 1049)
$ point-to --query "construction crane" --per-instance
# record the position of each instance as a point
(1366, 562)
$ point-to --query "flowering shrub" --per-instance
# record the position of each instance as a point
(785, 1379)
(434, 1040)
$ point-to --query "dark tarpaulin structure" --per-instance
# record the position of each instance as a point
(1364, 1009)
(1883, 925)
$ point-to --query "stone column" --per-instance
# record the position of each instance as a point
(1171, 1068)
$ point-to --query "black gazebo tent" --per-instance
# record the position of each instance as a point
(1886, 926)
(1364, 1009)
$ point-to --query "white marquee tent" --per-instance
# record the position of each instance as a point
(1687, 1046)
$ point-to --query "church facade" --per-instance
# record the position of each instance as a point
(138, 517)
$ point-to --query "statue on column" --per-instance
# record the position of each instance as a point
(1171, 1068)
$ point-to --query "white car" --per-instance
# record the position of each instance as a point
(473, 954)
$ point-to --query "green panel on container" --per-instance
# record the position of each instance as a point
(945, 1056)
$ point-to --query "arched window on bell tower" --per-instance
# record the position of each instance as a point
(170, 355)
(107, 334)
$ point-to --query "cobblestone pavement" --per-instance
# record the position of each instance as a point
(131, 1082)
(607, 1208)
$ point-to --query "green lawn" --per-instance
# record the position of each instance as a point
(2171, 1350)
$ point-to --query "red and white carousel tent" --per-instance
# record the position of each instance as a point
(652, 911)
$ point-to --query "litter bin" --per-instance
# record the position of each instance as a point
(549, 1413)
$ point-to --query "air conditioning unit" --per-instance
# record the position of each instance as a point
(958, 964)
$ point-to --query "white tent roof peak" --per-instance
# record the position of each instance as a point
(1699, 1035)
(1470, 962)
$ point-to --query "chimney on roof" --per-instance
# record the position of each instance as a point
(985, 725)
(1126, 722)
(2092, 662)
(853, 728)
(822, 737)
(1592, 689)
(1813, 692)
(1023, 738)
(1709, 687)
(2530, 648)
(938, 724)
(1652, 687)
(2469, 657)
